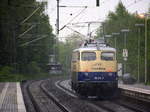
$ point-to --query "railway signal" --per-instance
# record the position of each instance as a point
(125, 53)
(97, 3)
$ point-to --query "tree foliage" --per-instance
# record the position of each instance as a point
(16, 47)
(72, 42)
(122, 19)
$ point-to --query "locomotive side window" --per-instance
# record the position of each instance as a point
(75, 56)
(88, 56)
(108, 56)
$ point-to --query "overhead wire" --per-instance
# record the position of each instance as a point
(129, 5)
(78, 12)
(34, 40)
(101, 4)
(81, 28)
(89, 6)
(76, 31)
(81, 16)
(30, 28)
(72, 19)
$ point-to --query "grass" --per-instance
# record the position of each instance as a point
(20, 77)
(148, 83)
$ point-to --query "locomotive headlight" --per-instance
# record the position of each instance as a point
(86, 74)
(110, 74)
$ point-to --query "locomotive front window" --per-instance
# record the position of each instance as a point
(88, 56)
(108, 56)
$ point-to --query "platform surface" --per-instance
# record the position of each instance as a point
(11, 99)
(141, 88)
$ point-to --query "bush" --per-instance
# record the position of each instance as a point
(33, 68)
(6, 70)
(6, 74)
(33, 72)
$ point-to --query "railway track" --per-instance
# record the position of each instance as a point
(119, 104)
(37, 108)
(29, 103)
(46, 96)
(82, 105)
(105, 105)
(42, 101)
(54, 99)
(135, 107)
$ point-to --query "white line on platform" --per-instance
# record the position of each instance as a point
(20, 101)
(2, 95)
(67, 92)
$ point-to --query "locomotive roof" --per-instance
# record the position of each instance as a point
(94, 45)
(95, 49)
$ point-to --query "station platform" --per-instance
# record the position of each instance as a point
(141, 88)
(137, 91)
(11, 99)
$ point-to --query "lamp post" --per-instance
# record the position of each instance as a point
(108, 36)
(125, 51)
(139, 39)
(57, 34)
(146, 17)
(115, 34)
(115, 39)
(57, 20)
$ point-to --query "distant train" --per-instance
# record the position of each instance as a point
(54, 68)
(94, 70)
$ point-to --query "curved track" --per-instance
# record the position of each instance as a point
(51, 96)
(41, 100)
(115, 105)
(54, 99)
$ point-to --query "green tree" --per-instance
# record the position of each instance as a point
(72, 42)
(14, 50)
(115, 22)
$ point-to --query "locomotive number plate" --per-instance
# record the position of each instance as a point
(98, 78)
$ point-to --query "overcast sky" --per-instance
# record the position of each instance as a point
(92, 13)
